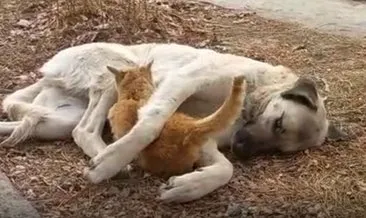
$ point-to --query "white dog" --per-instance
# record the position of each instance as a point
(76, 92)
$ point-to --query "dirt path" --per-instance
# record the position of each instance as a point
(325, 182)
(345, 17)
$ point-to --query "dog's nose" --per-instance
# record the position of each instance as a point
(237, 148)
(241, 146)
(242, 151)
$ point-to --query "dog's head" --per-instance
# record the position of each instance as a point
(287, 117)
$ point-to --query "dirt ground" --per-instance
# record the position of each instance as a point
(325, 182)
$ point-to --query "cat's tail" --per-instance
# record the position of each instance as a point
(226, 115)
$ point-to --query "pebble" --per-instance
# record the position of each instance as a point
(16, 32)
(236, 210)
(23, 23)
(113, 190)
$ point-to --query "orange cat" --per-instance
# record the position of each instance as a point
(178, 147)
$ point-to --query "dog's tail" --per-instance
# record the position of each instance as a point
(26, 127)
(226, 114)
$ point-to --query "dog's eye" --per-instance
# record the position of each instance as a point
(277, 125)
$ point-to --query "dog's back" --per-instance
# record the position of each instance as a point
(178, 147)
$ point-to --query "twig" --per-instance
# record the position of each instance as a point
(5, 91)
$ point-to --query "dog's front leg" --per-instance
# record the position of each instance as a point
(88, 133)
(152, 117)
(215, 172)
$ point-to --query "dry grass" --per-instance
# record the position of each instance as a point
(325, 182)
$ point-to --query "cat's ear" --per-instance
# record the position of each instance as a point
(148, 66)
(148, 70)
(118, 74)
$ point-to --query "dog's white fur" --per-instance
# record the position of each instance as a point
(76, 92)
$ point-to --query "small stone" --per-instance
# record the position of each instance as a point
(317, 207)
(252, 210)
(12, 204)
(299, 47)
(30, 193)
(234, 210)
(267, 210)
(66, 168)
(122, 213)
(125, 193)
(16, 32)
(113, 190)
(221, 48)
(361, 185)
(314, 209)
(22, 77)
(204, 43)
(321, 215)
(19, 167)
(108, 206)
(240, 21)
(41, 15)
(33, 178)
(23, 23)
(85, 18)
(102, 26)
(67, 185)
(33, 37)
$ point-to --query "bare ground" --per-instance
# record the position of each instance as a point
(325, 182)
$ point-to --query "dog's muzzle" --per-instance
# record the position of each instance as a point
(242, 144)
(245, 145)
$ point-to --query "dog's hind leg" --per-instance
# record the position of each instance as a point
(215, 172)
(88, 133)
(59, 124)
(52, 116)
(56, 125)
(15, 104)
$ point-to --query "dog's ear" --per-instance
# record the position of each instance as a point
(335, 133)
(304, 92)
(118, 74)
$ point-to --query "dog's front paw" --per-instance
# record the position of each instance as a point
(89, 142)
(96, 177)
(183, 188)
(103, 167)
